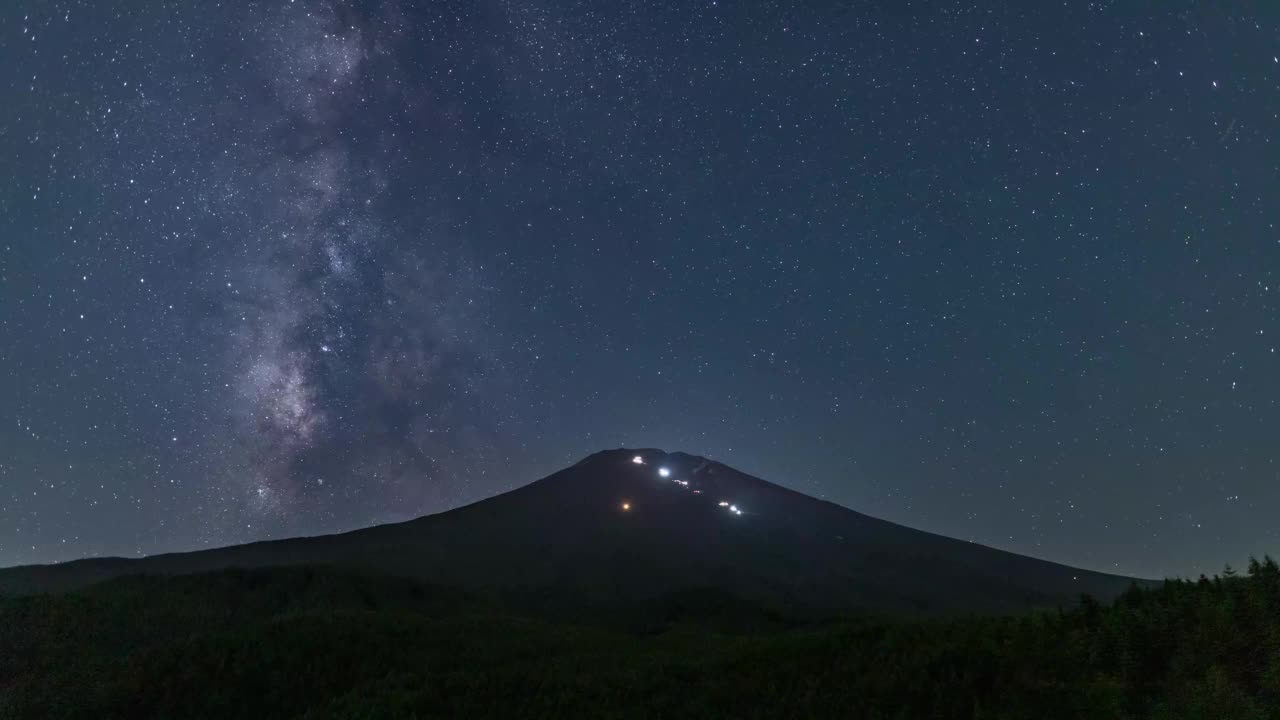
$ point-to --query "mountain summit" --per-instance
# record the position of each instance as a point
(626, 526)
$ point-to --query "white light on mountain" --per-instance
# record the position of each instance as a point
(664, 472)
(724, 504)
(637, 460)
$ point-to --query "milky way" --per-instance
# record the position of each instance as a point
(357, 345)
(296, 267)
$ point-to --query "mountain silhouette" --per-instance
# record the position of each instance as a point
(630, 526)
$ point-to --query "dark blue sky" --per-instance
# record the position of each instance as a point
(1010, 274)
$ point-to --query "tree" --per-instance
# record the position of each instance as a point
(1269, 566)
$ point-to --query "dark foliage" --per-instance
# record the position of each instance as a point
(308, 643)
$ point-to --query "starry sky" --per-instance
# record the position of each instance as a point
(1006, 272)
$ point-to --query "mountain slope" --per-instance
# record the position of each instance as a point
(610, 531)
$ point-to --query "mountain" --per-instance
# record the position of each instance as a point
(626, 527)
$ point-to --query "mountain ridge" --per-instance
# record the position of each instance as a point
(626, 524)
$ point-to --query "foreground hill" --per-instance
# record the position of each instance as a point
(305, 643)
(628, 526)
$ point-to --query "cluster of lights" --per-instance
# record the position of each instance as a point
(665, 472)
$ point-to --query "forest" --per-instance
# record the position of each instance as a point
(324, 643)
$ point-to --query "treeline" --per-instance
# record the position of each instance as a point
(309, 643)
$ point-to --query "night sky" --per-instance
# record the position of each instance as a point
(1005, 272)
